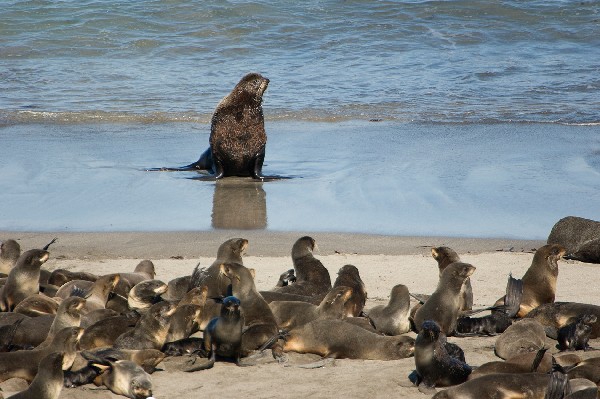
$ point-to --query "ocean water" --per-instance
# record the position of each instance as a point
(468, 118)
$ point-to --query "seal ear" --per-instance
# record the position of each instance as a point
(434, 253)
(252, 273)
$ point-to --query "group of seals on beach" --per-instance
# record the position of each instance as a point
(115, 329)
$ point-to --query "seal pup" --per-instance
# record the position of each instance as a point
(435, 366)
(501, 386)
(105, 331)
(443, 306)
(312, 278)
(528, 362)
(59, 277)
(230, 251)
(575, 336)
(237, 133)
(258, 318)
(338, 339)
(23, 279)
(392, 319)
(523, 336)
(444, 256)
(24, 364)
(348, 276)
(96, 293)
(67, 315)
(48, 382)
(580, 237)
(292, 314)
(223, 335)
(10, 250)
(37, 305)
(151, 330)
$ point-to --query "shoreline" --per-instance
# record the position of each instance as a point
(189, 244)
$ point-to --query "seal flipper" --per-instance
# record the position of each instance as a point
(205, 162)
(514, 294)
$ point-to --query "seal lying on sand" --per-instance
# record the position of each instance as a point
(559, 314)
(579, 236)
(237, 133)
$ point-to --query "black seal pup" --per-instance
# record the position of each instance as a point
(435, 366)
(575, 336)
(558, 314)
(237, 133)
(23, 279)
(443, 306)
(48, 382)
(223, 335)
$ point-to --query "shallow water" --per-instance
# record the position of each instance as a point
(498, 180)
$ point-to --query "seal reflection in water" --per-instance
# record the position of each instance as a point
(239, 204)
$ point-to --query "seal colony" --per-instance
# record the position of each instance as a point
(327, 329)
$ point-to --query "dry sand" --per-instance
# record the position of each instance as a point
(383, 261)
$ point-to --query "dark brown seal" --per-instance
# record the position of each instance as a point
(23, 279)
(527, 362)
(435, 366)
(523, 336)
(575, 336)
(392, 319)
(339, 339)
(145, 294)
(348, 276)
(443, 306)
(10, 250)
(237, 133)
(37, 305)
(559, 314)
(580, 237)
(151, 330)
(48, 381)
(312, 278)
(444, 256)
(500, 386)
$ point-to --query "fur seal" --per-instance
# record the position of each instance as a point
(36, 305)
(312, 278)
(10, 250)
(24, 364)
(523, 336)
(261, 326)
(145, 294)
(151, 330)
(444, 256)
(392, 319)
(539, 281)
(558, 314)
(23, 279)
(443, 306)
(105, 332)
(223, 335)
(237, 133)
(575, 336)
(501, 386)
(348, 276)
(339, 339)
(292, 314)
(48, 382)
(230, 251)
(527, 362)
(67, 315)
(580, 237)
(96, 293)
(435, 366)
(58, 277)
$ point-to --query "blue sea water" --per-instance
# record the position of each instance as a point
(488, 114)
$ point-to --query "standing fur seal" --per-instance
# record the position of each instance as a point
(444, 256)
(48, 382)
(237, 133)
(392, 319)
(23, 279)
(10, 250)
(443, 306)
(348, 276)
(434, 365)
(339, 339)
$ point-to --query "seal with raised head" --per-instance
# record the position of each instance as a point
(435, 366)
(312, 278)
(392, 319)
(339, 339)
(96, 293)
(23, 279)
(145, 294)
(151, 330)
(444, 256)
(443, 306)
(348, 276)
(48, 382)
(10, 250)
(237, 133)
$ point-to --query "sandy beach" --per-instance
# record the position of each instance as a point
(383, 261)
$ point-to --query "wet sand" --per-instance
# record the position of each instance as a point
(383, 261)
